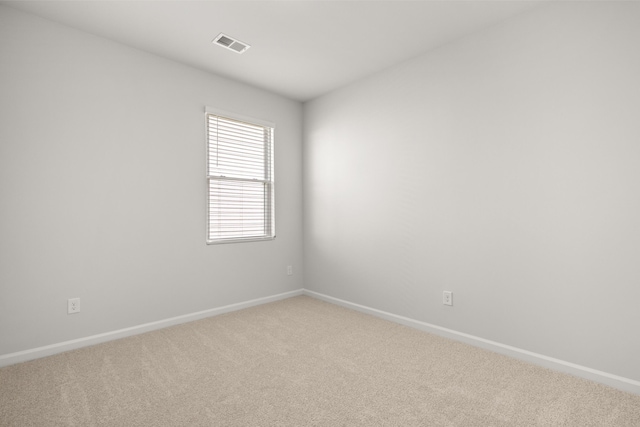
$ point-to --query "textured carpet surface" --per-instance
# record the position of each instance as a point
(299, 362)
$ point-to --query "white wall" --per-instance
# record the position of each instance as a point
(504, 167)
(102, 188)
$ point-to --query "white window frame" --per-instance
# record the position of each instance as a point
(268, 180)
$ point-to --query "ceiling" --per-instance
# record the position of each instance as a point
(299, 49)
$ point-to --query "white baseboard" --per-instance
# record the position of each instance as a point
(48, 350)
(621, 383)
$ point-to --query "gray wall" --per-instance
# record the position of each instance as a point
(102, 188)
(504, 167)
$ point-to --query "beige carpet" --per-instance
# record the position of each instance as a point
(299, 362)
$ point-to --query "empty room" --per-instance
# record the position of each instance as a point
(320, 213)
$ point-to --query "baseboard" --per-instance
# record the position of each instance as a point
(48, 350)
(621, 383)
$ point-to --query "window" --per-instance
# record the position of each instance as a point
(239, 179)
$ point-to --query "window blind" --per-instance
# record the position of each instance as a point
(240, 180)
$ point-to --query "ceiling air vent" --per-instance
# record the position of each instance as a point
(230, 43)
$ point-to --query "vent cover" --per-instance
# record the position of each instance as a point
(230, 43)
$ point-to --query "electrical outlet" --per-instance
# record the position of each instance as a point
(289, 270)
(73, 305)
(447, 298)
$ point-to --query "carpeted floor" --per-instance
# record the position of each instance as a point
(299, 362)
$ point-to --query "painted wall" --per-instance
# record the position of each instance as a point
(504, 167)
(102, 188)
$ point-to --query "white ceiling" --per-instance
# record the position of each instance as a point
(299, 49)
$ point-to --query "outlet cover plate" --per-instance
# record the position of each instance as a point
(447, 298)
(73, 305)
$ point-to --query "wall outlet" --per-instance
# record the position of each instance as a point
(447, 298)
(73, 305)
(289, 270)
